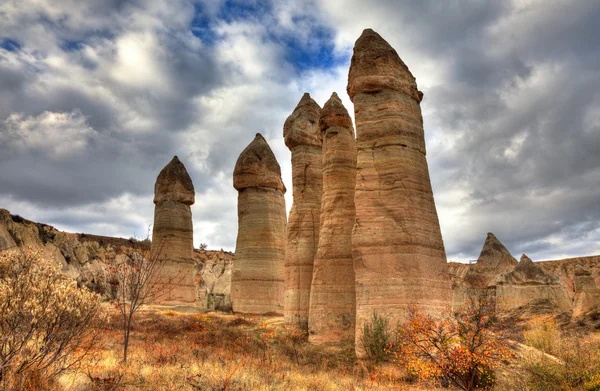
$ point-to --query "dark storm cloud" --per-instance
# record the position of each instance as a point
(116, 88)
(537, 90)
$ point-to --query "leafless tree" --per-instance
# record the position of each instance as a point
(141, 280)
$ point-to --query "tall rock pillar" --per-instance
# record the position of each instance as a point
(257, 273)
(303, 137)
(332, 302)
(173, 234)
(399, 256)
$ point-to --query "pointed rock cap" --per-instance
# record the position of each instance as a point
(334, 114)
(527, 272)
(302, 126)
(525, 259)
(375, 66)
(257, 167)
(174, 184)
(494, 253)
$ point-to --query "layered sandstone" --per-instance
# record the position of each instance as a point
(587, 293)
(258, 268)
(398, 251)
(528, 282)
(303, 137)
(172, 234)
(332, 295)
(493, 260)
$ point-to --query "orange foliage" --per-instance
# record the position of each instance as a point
(462, 348)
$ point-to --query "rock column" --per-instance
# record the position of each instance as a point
(172, 235)
(332, 302)
(399, 256)
(258, 267)
(303, 137)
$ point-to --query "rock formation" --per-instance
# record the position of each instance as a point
(213, 270)
(398, 251)
(587, 293)
(493, 260)
(172, 234)
(332, 301)
(303, 137)
(527, 282)
(258, 268)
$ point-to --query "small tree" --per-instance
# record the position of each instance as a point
(462, 349)
(139, 281)
(376, 338)
(47, 324)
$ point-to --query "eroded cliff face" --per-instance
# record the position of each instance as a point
(398, 251)
(303, 137)
(257, 280)
(567, 285)
(527, 282)
(332, 295)
(85, 258)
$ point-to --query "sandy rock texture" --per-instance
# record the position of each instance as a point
(528, 282)
(173, 234)
(332, 295)
(398, 250)
(303, 138)
(257, 279)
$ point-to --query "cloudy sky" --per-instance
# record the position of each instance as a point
(97, 96)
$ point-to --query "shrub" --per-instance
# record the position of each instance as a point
(376, 338)
(47, 324)
(462, 349)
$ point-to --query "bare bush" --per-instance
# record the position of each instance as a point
(47, 324)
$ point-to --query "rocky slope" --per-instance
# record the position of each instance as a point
(85, 257)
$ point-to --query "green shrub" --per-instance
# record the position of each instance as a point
(376, 338)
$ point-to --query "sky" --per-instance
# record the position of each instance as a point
(97, 96)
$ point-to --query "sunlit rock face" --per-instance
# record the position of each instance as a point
(399, 256)
(332, 302)
(172, 234)
(527, 282)
(303, 137)
(258, 267)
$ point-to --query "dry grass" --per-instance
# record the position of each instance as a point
(181, 351)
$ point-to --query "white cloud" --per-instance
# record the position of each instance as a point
(59, 135)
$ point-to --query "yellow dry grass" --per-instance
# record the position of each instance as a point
(173, 350)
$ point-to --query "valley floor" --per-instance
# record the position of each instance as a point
(172, 350)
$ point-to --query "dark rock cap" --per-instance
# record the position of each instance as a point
(334, 113)
(174, 184)
(301, 127)
(376, 66)
(257, 167)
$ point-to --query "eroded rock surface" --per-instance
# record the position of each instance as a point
(332, 296)
(587, 293)
(527, 282)
(493, 260)
(257, 280)
(303, 137)
(213, 273)
(398, 251)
